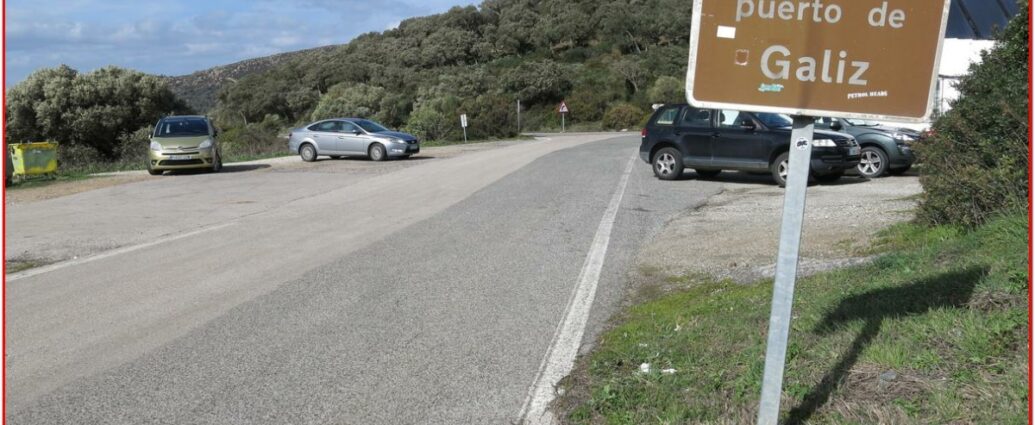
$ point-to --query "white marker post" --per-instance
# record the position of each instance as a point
(798, 165)
(463, 123)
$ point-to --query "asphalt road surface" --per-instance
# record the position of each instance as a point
(409, 292)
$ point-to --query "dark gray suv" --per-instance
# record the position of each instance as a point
(710, 141)
(885, 150)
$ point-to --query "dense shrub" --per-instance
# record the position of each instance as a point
(133, 146)
(92, 110)
(667, 90)
(623, 116)
(976, 166)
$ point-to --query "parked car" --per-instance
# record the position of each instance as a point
(711, 141)
(341, 137)
(184, 142)
(885, 150)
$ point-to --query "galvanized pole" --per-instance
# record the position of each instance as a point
(519, 116)
(562, 122)
(786, 268)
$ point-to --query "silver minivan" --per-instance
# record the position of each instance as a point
(340, 137)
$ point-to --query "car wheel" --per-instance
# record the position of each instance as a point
(668, 164)
(307, 152)
(830, 178)
(377, 152)
(873, 162)
(153, 171)
(708, 174)
(780, 168)
(899, 171)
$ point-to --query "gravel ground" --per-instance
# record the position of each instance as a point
(735, 235)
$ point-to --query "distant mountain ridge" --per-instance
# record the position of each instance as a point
(201, 89)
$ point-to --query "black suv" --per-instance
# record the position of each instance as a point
(710, 141)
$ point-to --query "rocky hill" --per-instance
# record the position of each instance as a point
(201, 89)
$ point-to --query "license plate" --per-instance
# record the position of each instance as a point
(853, 151)
(181, 157)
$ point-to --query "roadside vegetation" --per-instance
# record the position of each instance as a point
(934, 330)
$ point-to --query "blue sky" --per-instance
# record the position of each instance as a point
(179, 37)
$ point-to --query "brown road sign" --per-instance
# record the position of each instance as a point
(875, 59)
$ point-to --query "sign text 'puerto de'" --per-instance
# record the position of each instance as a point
(847, 58)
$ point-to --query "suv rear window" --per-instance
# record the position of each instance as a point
(667, 116)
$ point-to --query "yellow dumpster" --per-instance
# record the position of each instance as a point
(31, 159)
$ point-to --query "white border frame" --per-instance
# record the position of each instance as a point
(695, 38)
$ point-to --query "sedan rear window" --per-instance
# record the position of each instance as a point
(182, 127)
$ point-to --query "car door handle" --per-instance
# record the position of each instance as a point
(341, 137)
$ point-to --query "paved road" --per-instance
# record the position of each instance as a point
(418, 292)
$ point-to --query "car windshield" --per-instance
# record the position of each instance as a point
(775, 120)
(370, 126)
(863, 123)
(182, 128)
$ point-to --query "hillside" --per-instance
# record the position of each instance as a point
(200, 89)
(608, 59)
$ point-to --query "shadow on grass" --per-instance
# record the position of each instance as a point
(949, 290)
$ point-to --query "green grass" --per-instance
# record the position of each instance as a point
(934, 331)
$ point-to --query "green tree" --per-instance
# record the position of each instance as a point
(93, 110)
(350, 100)
(667, 90)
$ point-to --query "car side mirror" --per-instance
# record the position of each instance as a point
(748, 125)
(836, 126)
(357, 132)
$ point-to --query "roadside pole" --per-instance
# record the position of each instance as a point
(519, 115)
(463, 123)
(564, 111)
(866, 60)
(786, 268)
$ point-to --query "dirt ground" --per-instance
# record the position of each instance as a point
(736, 235)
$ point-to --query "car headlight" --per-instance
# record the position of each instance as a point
(206, 144)
(155, 146)
(901, 137)
(824, 143)
(395, 140)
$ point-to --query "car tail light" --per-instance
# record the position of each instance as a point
(643, 133)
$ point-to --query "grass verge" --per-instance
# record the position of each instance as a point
(934, 331)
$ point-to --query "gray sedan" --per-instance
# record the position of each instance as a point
(340, 137)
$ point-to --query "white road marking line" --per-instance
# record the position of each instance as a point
(108, 254)
(560, 357)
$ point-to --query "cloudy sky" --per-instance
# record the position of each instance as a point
(179, 37)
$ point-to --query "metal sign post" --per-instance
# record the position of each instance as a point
(564, 111)
(798, 165)
(463, 123)
(519, 115)
(868, 60)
